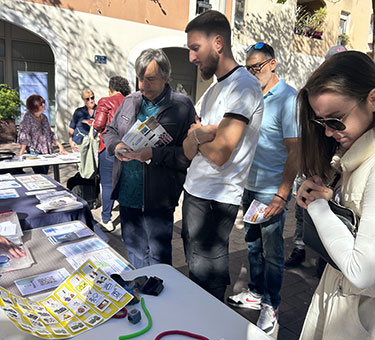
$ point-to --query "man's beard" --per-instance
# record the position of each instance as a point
(207, 71)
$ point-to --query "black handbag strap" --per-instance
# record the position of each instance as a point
(335, 181)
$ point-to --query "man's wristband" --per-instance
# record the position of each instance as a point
(286, 201)
(195, 136)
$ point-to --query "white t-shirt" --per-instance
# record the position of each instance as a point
(237, 94)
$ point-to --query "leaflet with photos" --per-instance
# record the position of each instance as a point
(146, 134)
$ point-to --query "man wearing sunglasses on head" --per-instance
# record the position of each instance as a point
(270, 180)
(82, 119)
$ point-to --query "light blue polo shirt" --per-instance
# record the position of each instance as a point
(279, 122)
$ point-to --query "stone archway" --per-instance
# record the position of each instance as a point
(184, 74)
(59, 50)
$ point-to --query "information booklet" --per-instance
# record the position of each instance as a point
(58, 201)
(66, 232)
(40, 282)
(84, 300)
(149, 133)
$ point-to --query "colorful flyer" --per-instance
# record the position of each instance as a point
(35, 182)
(255, 213)
(81, 302)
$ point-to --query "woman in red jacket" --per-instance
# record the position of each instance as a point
(105, 110)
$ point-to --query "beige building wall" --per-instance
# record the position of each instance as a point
(75, 38)
(77, 31)
(359, 24)
(298, 56)
(360, 16)
(273, 23)
(172, 14)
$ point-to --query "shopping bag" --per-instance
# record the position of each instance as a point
(89, 149)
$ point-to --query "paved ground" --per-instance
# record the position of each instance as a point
(298, 285)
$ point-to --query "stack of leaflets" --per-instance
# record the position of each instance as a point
(8, 183)
(91, 248)
(67, 232)
(58, 201)
(7, 177)
(8, 193)
(70, 157)
(7, 186)
(10, 228)
(28, 157)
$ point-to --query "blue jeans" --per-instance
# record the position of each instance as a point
(147, 235)
(105, 172)
(206, 226)
(265, 251)
(298, 234)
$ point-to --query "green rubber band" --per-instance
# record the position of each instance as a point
(144, 330)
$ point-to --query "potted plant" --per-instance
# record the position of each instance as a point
(300, 23)
(9, 110)
(320, 17)
(314, 23)
(343, 39)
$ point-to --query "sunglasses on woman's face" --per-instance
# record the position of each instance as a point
(335, 123)
(90, 98)
(332, 123)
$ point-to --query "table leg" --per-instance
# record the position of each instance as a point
(56, 172)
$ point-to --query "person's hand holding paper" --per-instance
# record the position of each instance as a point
(122, 151)
(142, 155)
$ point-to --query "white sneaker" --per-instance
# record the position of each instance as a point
(108, 226)
(246, 299)
(267, 320)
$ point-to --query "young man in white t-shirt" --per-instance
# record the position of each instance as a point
(222, 146)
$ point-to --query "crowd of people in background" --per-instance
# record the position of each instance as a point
(252, 135)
